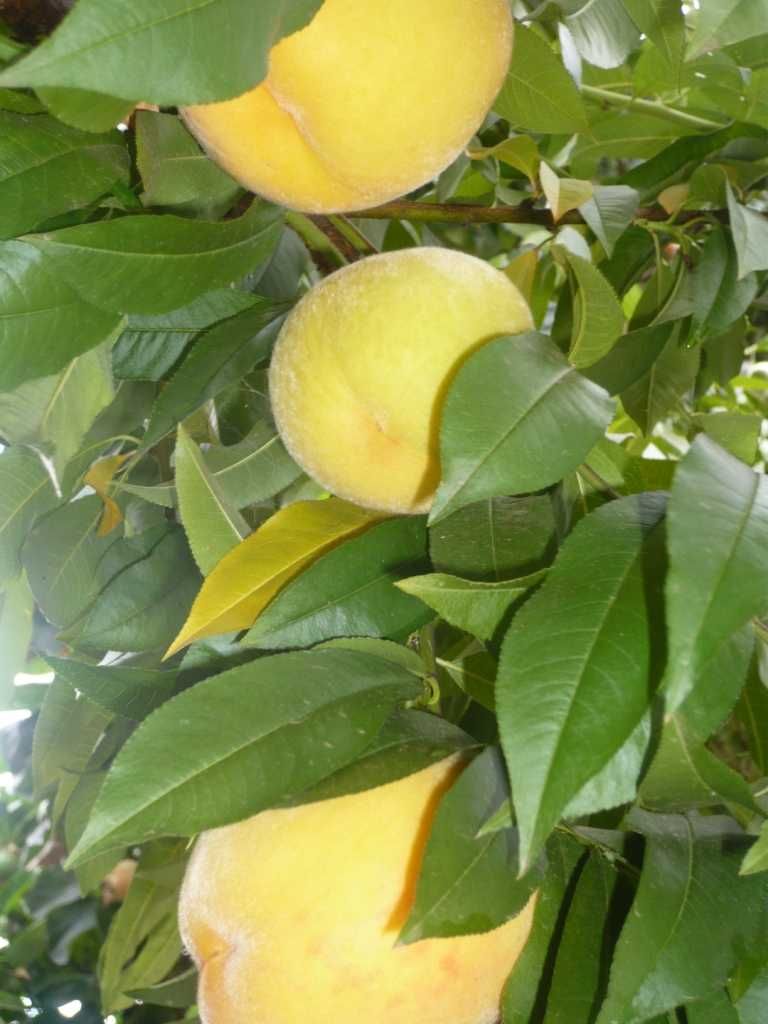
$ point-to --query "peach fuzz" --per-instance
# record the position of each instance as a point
(369, 101)
(362, 365)
(294, 914)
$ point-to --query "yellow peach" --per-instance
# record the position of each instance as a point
(369, 101)
(362, 365)
(293, 915)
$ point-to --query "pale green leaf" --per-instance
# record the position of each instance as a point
(598, 319)
(213, 526)
(475, 607)
(538, 93)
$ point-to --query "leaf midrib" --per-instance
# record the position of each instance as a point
(564, 372)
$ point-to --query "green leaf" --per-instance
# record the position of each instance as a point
(150, 345)
(684, 774)
(144, 605)
(654, 395)
(349, 591)
(282, 724)
(616, 783)
(62, 556)
(737, 432)
(178, 992)
(719, 685)
(474, 672)
(568, 696)
(220, 357)
(756, 859)
(721, 22)
(664, 24)
(26, 492)
(609, 213)
(631, 359)
(750, 236)
(54, 414)
(20, 102)
(16, 611)
(578, 977)
(408, 742)
(166, 51)
(538, 93)
(719, 298)
(517, 418)
(691, 921)
(213, 526)
(255, 469)
(47, 169)
(174, 170)
(603, 32)
(78, 808)
(752, 1004)
(474, 607)
(149, 907)
(519, 151)
(89, 111)
(718, 1009)
(130, 692)
(622, 136)
(158, 954)
(496, 539)
(66, 733)
(683, 155)
(523, 984)
(598, 319)
(708, 599)
(752, 709)
(467, 884)
(148, 263)
(44, 324)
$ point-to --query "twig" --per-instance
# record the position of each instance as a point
(594, 477)
(525, 213)
(337, 238)
(324, 253)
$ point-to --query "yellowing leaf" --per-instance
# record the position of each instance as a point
(672, 198)
(99, 477)
(520, 152)
(563, 194)
(522, 272)
(247, 578)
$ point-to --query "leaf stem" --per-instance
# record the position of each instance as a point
(594, 477)
(353, 235)
(654, 107)
(322, 249)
